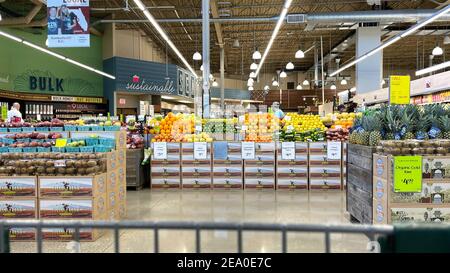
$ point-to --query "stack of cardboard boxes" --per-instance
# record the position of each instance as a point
(293, 173)
(228, 172)
(195, 171)
(18, 200)
(323, 172)
(166, 173)
(260, 172)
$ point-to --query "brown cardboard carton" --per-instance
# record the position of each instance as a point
(68, 234)
(436, 168)
(22, 234)
(18, 187)
(112, 181)
(420, 215)
(72, 186)
(111, 160)
(18, 209)
(88, 209)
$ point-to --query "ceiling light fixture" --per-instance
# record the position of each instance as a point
(394, 39)
(251, 88)
(283, 74)
(290, 66)
(333, 87)
(164, 35)
(299, 54)
(236, 43)
(280, 22)
(256, 55)
(1, 18)
(252, 74)
(54, 54)
(215, 83)
(299, 87)
(266, 88)
(305, 82)
(437, 51)
(344, 82)
(197, 56)
(275, 83)
(253, 66)
(211, 77)
(353, 89)
(447, 40)
(383, 82)
(433, 68)
(201, 68)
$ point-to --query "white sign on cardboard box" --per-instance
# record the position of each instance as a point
(248, 150)
(160, 150)
(288, 150)
(200, 150)
(334, 150)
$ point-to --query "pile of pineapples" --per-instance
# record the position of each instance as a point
(395, 122)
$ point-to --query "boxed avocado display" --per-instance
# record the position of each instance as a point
(17, 187)
(227, 165)
(72, 186)
(259, 172)
(196, 165)
(18, 209)
(166, 172)
(87, 209)
(292, 165)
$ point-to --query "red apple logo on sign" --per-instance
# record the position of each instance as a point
(135, 79)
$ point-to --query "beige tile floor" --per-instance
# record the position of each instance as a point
(233, 206)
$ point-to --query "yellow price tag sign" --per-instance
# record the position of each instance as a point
(61, 142)
(399, 89)
(408, 174)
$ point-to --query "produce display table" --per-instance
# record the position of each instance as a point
(293, 173)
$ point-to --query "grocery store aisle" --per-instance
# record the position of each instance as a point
(235, 206)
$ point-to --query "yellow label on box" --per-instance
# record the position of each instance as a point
(408, 174)
(61, 142)
(399, 89)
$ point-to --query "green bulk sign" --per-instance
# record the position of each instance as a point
(407, 174)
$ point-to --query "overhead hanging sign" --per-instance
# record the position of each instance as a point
(68, 23)
(407, 173)
(399, 89)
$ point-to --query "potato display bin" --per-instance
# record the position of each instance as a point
(166, 173)
(195, 173)
(259, 173)
(293, 173)
(323, 172)
(228, 172)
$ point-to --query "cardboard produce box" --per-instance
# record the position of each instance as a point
(436, 168)
(419, 215)
(111, 160)
(122, 158)
(88, 209)
(293, 173)
(18, 209)
(18, 187)
(112, 181)
(72, 186)
(259, 173)
(22, 234)
(228, 171)
(68, 234)
(166, 173)
(195, 173)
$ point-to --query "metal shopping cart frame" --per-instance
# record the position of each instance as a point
(371, 231)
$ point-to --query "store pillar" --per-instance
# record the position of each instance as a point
(369, 72)
(206, 69)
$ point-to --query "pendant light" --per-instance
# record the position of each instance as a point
(250, 88)
(253, 66)
(333, 87)
(236, 43)
(1, 17)
(344, 82)
(201, 68)
(275, 83)
(211, 77)
(299, 54)
(305, 82)
(447, 40)
(252, 74)
(283, 74)
(299, 87)
(215, 83)
(266, 88)
(250, 82)
(383, 82)
(256, 55)
(353, 89)
(290, 66)
(197, 56)
(437, 51)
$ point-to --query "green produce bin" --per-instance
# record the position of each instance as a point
(5, 246)
(426, 238)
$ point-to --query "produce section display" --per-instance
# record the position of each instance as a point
(301, 128)
(396, 122)
(260, 127)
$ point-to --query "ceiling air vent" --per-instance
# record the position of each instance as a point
(296, 18)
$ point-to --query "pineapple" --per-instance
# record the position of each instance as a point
(375, 134)
(408, 125)
(423, 126)
(393, 122)
(444, 124)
